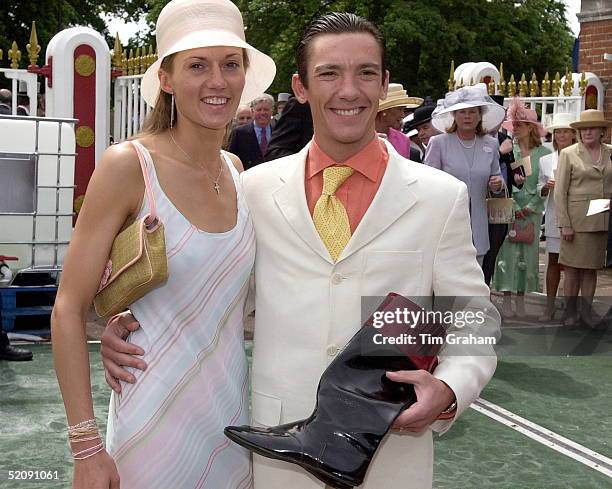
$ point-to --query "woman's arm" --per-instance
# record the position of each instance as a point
(543, 179)
(433, 155)
(114, 194)
(564, 173)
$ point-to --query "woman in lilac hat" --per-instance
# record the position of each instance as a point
(517, 267)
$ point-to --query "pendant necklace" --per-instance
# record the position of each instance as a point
(215, 182)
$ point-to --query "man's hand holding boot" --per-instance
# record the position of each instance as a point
(433, 397)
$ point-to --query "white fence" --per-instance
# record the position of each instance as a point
(22, 83)
(130, 107)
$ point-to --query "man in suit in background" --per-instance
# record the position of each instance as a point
(292, 132)
(250, 141)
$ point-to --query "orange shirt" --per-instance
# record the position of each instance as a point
(358, 191)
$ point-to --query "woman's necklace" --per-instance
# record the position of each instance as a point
(598, 160)
(215, 182)
(465, 145)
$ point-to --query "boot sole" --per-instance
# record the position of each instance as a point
(324, 477)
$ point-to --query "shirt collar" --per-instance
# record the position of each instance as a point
(365, 162)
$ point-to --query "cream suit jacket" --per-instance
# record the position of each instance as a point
(415, 240)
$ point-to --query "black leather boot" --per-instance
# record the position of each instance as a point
(10, 353)
(356, 404)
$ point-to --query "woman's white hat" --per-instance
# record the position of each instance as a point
(493, 114)
(189, 24)
(561, 120)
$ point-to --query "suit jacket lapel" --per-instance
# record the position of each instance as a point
(393, 199)
(291, 201)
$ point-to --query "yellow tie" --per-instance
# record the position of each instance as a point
(330, 217)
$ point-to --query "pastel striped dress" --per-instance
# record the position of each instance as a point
(166, 431)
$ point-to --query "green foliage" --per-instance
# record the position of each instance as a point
(51, 16)
(422, 35)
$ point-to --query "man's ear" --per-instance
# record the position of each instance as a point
(385, 86)
(164, 82)
(298, 89)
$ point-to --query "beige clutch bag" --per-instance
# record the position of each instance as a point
(137, 262)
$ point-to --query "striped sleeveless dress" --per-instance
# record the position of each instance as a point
(166, 431)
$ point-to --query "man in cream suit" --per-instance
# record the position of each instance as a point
(401, 227)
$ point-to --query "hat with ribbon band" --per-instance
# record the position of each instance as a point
(464, 98)
(190, 24)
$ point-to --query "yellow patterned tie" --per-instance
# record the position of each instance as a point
(330, 217)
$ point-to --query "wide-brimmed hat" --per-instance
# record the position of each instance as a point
(467, 97)
(561, 120)
(189, 24)
(397, 97)
(591, 118)
(517, 112)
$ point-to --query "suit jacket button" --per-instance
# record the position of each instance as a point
(332, 350)
(337, 279)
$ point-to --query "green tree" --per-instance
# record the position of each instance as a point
(423, 36)
(52, 16)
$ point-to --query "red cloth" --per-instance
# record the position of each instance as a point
(358, 191)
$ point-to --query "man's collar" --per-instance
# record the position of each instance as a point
(364, 161)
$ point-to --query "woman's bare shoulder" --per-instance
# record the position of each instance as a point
(236, 161)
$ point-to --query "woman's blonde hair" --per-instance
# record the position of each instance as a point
(479, 129)
(158, 119)
(534, 137)
(555, 145)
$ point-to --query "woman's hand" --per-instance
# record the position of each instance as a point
(523, 213)
(96, 472)
(506, 146)
(567, 233)
(519, 179)
(495, 183)
(547, 187)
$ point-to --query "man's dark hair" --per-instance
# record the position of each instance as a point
(336, 23)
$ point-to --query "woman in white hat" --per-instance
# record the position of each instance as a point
(166, 430)
(389, 119)
(517, 267)
(563, 137)
(467, 152)
(584, 174)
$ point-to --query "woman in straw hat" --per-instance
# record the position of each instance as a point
(466, 151)
(563, 137)
(517, 267)
(585, 174)
(166, 430)
(389, 119)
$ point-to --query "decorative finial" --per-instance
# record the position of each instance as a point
(15, 56)
(533, 86)
(523, 86)
(33, 48)
(501, 86)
